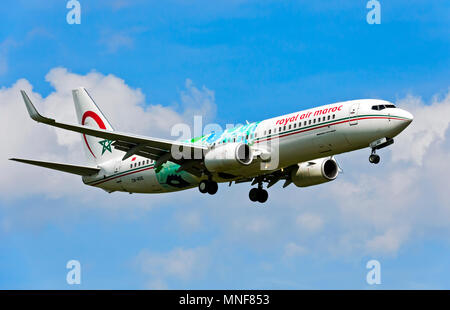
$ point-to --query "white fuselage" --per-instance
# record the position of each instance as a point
(287, 140)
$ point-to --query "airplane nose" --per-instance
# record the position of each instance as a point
(407, 115)
(404, 120)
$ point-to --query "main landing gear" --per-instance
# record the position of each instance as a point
(258, 194)
(208, 186)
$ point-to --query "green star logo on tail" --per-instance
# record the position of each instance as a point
(106, 145)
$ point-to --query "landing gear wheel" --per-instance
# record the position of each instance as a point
(258, 194)
(253, 194)
(374, 159)
(262, 195)
(212, 187)
(203, 186)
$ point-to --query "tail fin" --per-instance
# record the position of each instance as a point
(97, 150)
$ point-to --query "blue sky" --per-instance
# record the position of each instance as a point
(249, 60)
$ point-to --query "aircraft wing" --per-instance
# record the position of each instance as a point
(74, 169)
(153, 148)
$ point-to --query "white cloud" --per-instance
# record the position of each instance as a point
(178, 264)
(292, 249)
(256, 225)
(388, 242)
(430, 125)
(116, 41)
(309, 222)
(198, 102)
(189, 220)
(157, 284)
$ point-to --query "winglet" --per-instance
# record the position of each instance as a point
(34, 114)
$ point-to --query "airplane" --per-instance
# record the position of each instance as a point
(297, 148)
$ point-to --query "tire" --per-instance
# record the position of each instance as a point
(212, 187)
(377, 159)
(374, 159)
(253, 194)
(263, 195)
(203, 187)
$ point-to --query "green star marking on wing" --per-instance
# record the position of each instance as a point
(106, 145)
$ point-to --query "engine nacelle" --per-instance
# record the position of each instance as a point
(227, 157)
(315, 172)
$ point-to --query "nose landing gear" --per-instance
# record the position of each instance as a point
(258, 194)
(376, 145)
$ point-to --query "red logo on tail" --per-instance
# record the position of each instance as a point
(99, 122)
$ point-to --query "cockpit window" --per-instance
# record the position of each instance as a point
(382, 106)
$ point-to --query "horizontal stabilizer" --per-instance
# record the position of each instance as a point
(80, 170)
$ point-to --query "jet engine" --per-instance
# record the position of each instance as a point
(228, 157)
(315, 172)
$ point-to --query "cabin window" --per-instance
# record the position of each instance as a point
(131, 166)
(300, 124)
(295, 125)
(284, 128)
(274, 130)
(334, 116)
(309, 122)
(147, 162)
(270, 131)
(328, 117)
(234, 139)
(323, 119)
(264, 132)
(279, 129)
(314, 121)
(135, 164)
